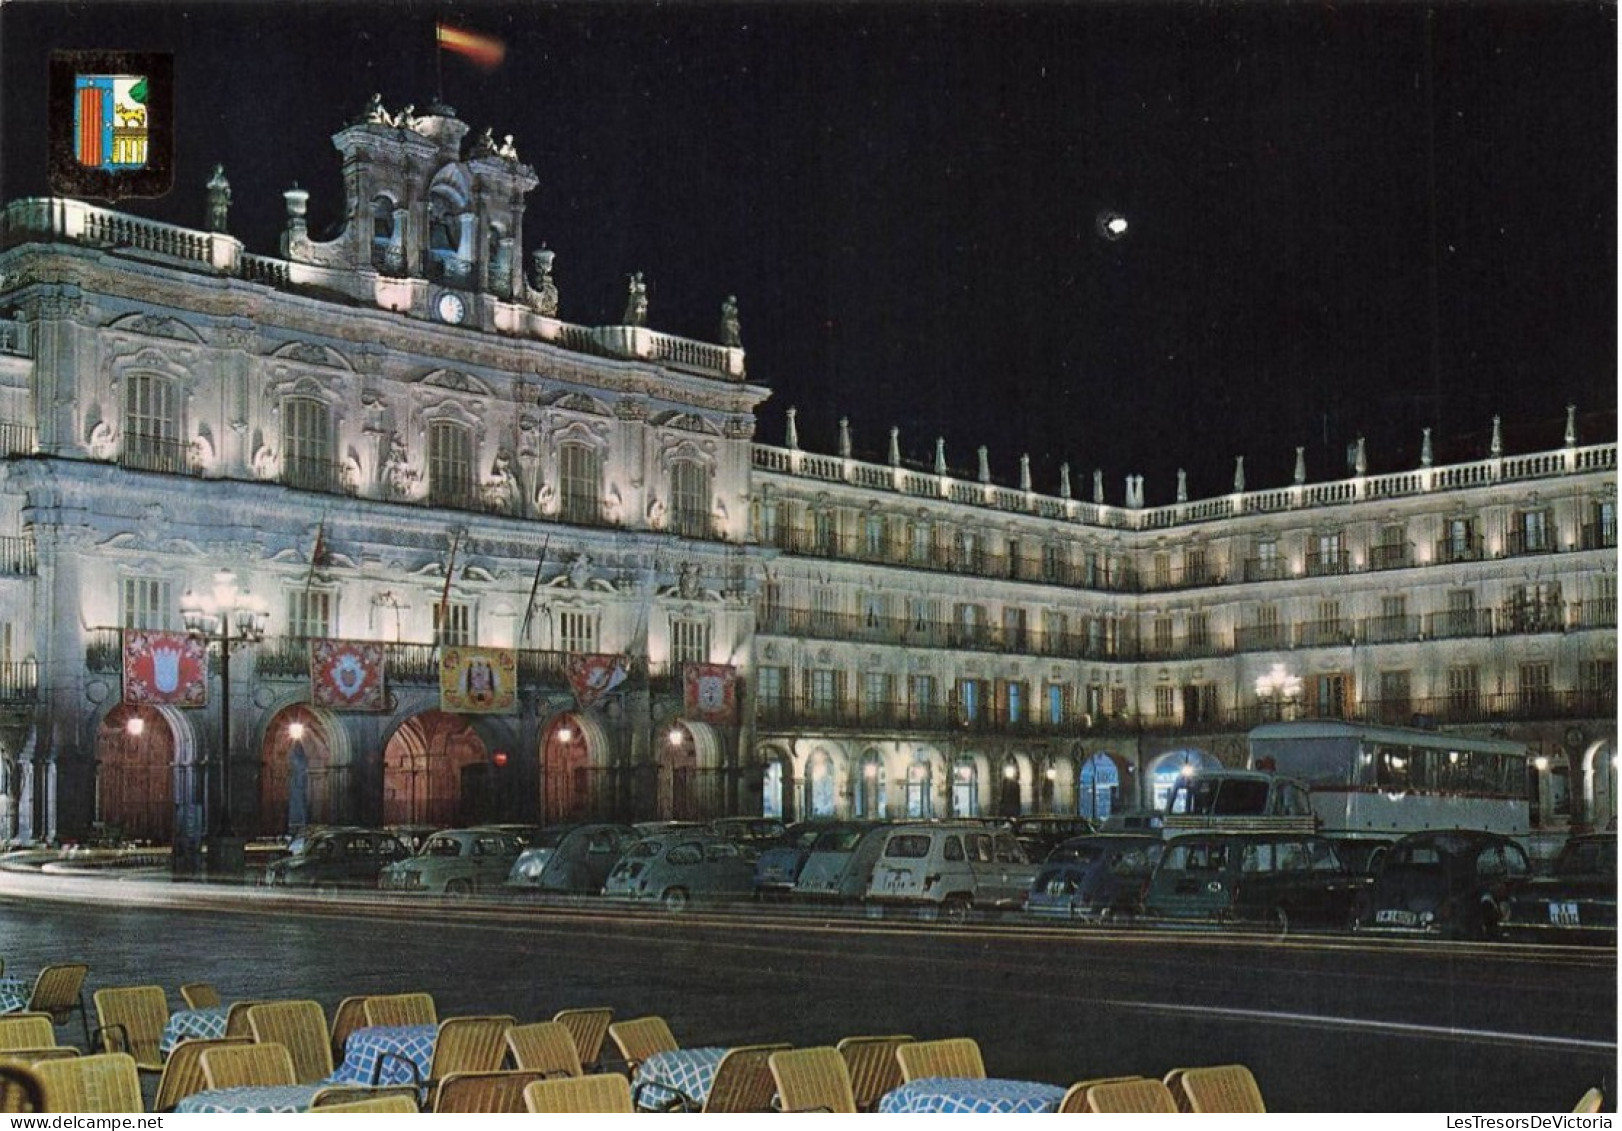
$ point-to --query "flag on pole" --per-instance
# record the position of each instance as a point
(445, 594)
(486, 51)
(315, 558)
(534, 587)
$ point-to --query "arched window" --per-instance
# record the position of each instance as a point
(771, 789)
(444, 234)
(450, 464)
(919, 793)
(307, 455)
(1008, 790)
(965, 789)
(819, 785)
(690, 499)
(1098, 787)
(1168, 767)
(870, 787)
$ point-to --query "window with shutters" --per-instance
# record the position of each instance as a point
(148, 603)
(309, 614)
(690, 499)
(450, 464)
(453, 624)
(308, 459)
(152, 424)
(577, 631)
(689, 641)
(1165, 702)
(580, 483)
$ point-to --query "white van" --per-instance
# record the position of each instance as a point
(950, 869)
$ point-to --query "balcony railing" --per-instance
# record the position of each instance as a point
(1519, 542)
(1599, 613)
(151, 453)
(1264, 569)
(17, 556)
(1531, 618)
(1458, 623)
(1388, 630)
(1322, 633)
(1451, 550)
(1507, 706)
(19, 681)
(1388, 555)
(815, 624)
(304, 474)
(1328, 565)
(1260, 638)
(1599, 535)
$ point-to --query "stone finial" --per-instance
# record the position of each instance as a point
(731, 328)
(1064, 481)
(844, 437)
(1182, 486)
(1300, 466)
(545, 293)
(636, 301)
(1360, 458)
(374, 112)
(1098, 486)
(1131, 492)
(298, 203)
(219, 199)
(940, 456)
(1571, 426)
(985, 466)
(792, 439)
(1239, 475)
(1025, 472)
(507, 150)
(1497, 437)
(895, 446)
(1425, 456)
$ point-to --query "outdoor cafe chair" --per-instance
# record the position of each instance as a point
(589, 1028)
(247, 1066)
(873, 1067)
(400, 1009)
(103, 1084)
(371, 1105)
(813, 1079)
(639, 1038)
(333, 1095)
(953, 1056)
(59, 991)
(743, 1082)
(131, 1019)
(608, 1094)
(26, 1031)
(236, 1018)
(20, 1090)
(1075, 1096)
(1592, 1101)
(1143, 1096)
(200, 995)
(481, 1093)
(183, 1071)
(349, 1016)
(546, 1047)
(34, 1056)
(462, 1044)
(300, 1026)
(1222, 1088)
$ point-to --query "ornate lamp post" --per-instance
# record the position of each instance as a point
(227, 617)
(1278, 687)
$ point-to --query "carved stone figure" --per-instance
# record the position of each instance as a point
(485, 144)
(636, 301)
(406, 119)
(103, 444)
(397, 473)
(374, 112)
(544, 295)
(264, 462)
(219, 199)
(580, 571)
(731, 328)
(688, 580)
(501, 490)
(508, 150)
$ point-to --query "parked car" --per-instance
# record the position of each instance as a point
(840, 862)
(1280, 880)
(455, 862)
(950, 868)
(675, 869)
(754, 830)
(323, 859)
(778, 866)
(1133, 821)
(1575, 902)
(570, 858)
(412, 836)
(1454, 883)
(1095, 878)
(1041, 835)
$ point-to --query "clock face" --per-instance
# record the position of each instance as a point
(451, 308)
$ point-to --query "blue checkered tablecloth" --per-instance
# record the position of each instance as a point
(185, 1024)
(951, 1094)
(235, 1101)
(366, 1046)
(665, 1078)
(14, 994)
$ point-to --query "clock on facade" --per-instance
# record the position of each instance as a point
(450, 307)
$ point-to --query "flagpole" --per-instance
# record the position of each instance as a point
(529, 609)
(445, 596)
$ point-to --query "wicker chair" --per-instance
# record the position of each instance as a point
(481, 1093)
(743, 1082)
(28, 1057)
(873, 1067)
(1075, 1096)
(371, 1105)
(104, 1084)
(546, 1047)
(814, 1079)
(183, 1071)
(349, 1016)
(301, 1026)
(1222, 1088)
(26, 1031)
(337, 1094)
(462, 1045)
(248, 1066)
(1143, 1096)
(589, 1028)
(1592, 1101)
(59, 991)
(236, 1018)
(400, 1009)
(200, 995)
(131, 1019)
(954, 1056)
(608, 1094)
(640, 1038)
(20, 1090)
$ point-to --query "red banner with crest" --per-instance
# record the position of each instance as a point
(593, 676)
(165, 669)
(710, 692)
(347, 676)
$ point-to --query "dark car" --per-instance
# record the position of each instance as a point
(1279, 880)
(1039, 836)
(335, 857)
(570, 858)
(1454, 883)
(1575, 903)
(1095, 878)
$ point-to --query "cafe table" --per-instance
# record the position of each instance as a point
(14, 994)
(406, 1045)
(931, 1094)
(235, 1101)
(207, 1024)
(669, 1079)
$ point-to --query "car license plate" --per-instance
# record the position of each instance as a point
(896, 880)
(1396, 918)
(1057, 887)
(1564, 915)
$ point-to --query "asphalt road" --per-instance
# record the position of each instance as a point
(1327, 1024)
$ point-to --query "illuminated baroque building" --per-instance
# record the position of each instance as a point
(391, 437)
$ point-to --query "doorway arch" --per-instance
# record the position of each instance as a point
(870, 787)
(137, 774)
(574, 750)
(435, 771)
(1098, 787)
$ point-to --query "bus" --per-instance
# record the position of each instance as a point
(1377, 783)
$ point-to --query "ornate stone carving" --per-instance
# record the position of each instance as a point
(103, 441)
(636, 302)
(265, 462)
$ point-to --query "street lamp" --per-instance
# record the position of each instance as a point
(227, 617)
(1278, 687)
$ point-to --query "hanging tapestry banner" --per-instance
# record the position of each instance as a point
(710, 692)
(592, 677)
(478, 680)
(347, 676)
(165, 669)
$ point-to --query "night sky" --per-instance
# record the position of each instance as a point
(1344, 218)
